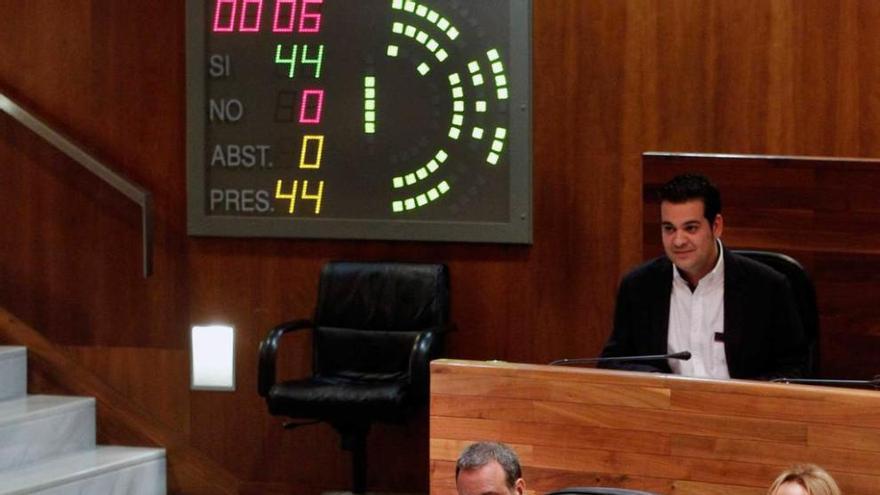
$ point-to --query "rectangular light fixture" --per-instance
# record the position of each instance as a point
(212, 355)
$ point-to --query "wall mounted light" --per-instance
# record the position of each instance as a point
(212, 355)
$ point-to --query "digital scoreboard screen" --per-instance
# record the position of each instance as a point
(360, 119)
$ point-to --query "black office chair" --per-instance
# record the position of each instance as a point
(376, 327)
(596, 490)
(804, 294)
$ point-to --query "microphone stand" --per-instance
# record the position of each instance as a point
(873, 383)
(684, 356)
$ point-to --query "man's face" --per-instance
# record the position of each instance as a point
(688, 239)
(487, 480)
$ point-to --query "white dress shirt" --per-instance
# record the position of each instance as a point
(694, 319)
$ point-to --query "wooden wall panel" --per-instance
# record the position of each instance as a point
(148, 377)
(612, 78)
(710, 436)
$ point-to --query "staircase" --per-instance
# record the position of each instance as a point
(47, 444)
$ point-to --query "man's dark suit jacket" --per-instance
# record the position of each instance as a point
(763, 335)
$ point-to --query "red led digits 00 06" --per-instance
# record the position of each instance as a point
(246, 16)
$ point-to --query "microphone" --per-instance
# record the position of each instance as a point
(873, 383)
(683, 355)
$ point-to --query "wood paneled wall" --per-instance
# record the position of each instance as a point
(612, 78)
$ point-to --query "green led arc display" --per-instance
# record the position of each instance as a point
(498, 70)
(422, 199)
(370, 104)
(457, 92)
(428, 14)
(435, 48)
(422, 173)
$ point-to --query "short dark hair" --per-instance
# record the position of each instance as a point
(686, 187)
(479, 454)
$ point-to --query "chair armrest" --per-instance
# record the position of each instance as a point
(419, 363)
(268, 348)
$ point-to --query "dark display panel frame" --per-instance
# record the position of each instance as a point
(515, 228)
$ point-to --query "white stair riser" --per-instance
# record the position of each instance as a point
(13, 376)
(143, 479)
(98, 471)
(29, 441)
(47, 444)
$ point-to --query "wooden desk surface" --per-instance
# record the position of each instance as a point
(661, 433)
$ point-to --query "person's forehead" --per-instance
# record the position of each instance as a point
(488, 478)
(491, 467)
(492, 470)
(693, 209)
(791, 488)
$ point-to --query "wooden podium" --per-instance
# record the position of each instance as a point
(661, 433)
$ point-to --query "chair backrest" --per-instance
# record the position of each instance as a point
(596, 490)
(804, 294)
(369, 314)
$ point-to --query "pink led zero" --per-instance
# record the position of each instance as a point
(255, 22)
(286, 25)
(307, 95)
(219, 14)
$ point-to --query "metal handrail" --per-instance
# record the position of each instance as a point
(131, 190)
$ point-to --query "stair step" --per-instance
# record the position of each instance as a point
(104, 470)
(13, 372)
(37, 427)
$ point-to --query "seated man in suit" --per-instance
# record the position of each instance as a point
(736, 316)
(489, 468)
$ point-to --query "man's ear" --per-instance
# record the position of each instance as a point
(718, 226)
(519, 487)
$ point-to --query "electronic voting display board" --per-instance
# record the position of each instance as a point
(360, 119)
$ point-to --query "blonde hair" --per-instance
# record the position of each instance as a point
(810, 476)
